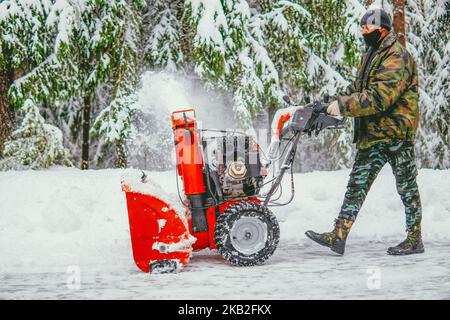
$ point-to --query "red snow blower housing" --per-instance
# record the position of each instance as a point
(222, 177)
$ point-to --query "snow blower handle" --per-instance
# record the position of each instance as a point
(321, 106)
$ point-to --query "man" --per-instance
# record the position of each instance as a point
(384, 104)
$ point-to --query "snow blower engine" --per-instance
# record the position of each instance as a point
(223, 173)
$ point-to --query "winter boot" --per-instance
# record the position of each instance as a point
(412, 244)
(335, 239)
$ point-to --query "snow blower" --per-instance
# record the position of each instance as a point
(222, 174)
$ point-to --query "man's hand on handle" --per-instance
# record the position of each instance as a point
(333, 109)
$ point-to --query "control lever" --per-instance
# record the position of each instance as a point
(287, 100)
(320, 107)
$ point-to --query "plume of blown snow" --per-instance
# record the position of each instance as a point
(164, 92)
(160, 94)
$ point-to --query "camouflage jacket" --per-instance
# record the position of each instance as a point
(383, 100)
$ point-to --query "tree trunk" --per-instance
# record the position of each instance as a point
(86, 128)
(121, 160)
(6, 117)
(399, 20)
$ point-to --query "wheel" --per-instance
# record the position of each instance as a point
(246, 233)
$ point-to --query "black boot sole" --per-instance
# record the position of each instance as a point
(323, 243)
(405, 253)
(338, 251)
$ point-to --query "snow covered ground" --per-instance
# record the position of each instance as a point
(64, 225)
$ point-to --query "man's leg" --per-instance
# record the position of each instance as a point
(368, 164)
(402, 161)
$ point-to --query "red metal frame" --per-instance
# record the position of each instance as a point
(188, 152)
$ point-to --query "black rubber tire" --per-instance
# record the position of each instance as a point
(225, 223)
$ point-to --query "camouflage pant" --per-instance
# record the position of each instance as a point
(368, 164)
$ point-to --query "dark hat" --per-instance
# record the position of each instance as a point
(378, 17)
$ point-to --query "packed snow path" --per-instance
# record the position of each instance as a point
(64, 225)
(296, 271)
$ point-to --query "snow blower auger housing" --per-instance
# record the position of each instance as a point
(222, 175)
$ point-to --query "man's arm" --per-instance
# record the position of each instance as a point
(388, 84)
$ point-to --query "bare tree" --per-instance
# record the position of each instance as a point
(399, 20)
(5, 112)
(7, 77)
(86, 127)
